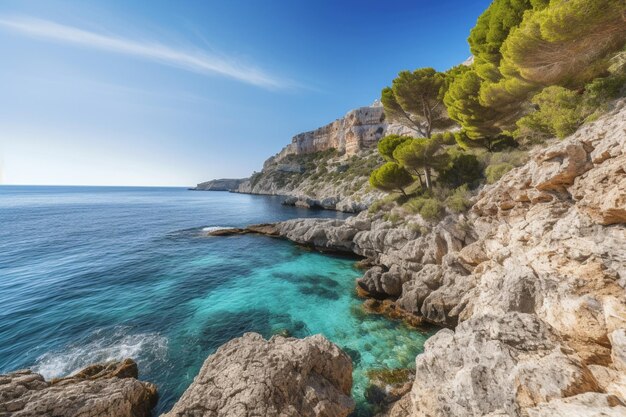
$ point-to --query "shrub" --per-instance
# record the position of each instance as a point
(431, 209)
(463, 168)
(446, 138)
(394, 218)
(459, 201)
(559, 113)
(514, 157)
(495, 172)
(386, 204)
(428, 207)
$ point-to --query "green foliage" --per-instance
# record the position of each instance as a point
(454, 73)
(384, 204)
(388, 144)
(421, 155)
(394, 218)
(490, 143)
(559, 113)
(523, 46)
(601, 90)
(415, 100)
(445, 138)
(391, 177)
(495, 172)
(514, 157)
(492, 29)
(459, 200)
(462, 168)
(565, 43)
(428, 207)
(464, 107)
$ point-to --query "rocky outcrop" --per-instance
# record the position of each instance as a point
(353, 137)
(224, 184)
(278, 377)
(359, 129)
(102, 390)
(531, 284)
(328, 181)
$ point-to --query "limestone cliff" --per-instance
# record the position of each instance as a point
(359, 129)
(325, 168)
(340, 149)
(531, 285)
(327, 179)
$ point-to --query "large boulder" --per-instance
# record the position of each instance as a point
(250, 376)
(102, 390)
(496, 365)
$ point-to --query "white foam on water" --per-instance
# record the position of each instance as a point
(103, 348)
(214, 228)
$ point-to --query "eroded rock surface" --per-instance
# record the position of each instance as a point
(250, 376)
(532, 281)
(102, 390)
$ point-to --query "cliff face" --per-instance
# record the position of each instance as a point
(324, 168)
(327, 179)
(531, 285)
(223, 184)
(359, 129)
(353, 139)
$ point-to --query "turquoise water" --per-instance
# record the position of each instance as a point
(95, 274)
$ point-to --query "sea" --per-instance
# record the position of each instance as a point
(92, 274)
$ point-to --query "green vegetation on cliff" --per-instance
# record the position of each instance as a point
(541, 69)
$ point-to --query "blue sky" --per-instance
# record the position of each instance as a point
(128, 92)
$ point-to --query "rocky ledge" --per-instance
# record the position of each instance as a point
(102, 390)
(531, 285)
(250, 376)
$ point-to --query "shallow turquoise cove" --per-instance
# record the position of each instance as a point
(100, 274)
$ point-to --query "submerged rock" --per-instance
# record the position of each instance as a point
(267, 229)
(250, 376)
(102, 390)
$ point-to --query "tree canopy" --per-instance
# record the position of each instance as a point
(492, 29)
(421, 155)
(560, 42)
(391, 177)
(462, 101)
(388, 144)
(415, 100)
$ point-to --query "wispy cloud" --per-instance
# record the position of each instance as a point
(195, 60)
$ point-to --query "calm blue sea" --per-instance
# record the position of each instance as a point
(92, 274)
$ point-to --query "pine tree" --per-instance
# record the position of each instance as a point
(391, 177)
(421, 155)
(415, 100)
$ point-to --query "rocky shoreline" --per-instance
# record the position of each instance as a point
(530, 284)
(530, 287)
